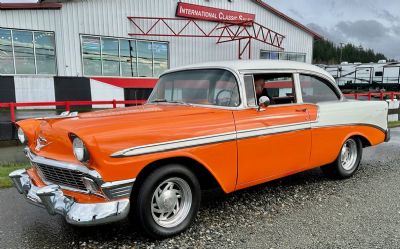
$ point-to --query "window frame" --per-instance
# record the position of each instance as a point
(298, 100)
(33, 31)
(322, 78)
(101, 37)
(253, 90)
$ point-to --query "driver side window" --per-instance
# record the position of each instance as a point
(279, 88)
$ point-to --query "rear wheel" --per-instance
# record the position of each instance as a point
(347, 162)
(167, 201)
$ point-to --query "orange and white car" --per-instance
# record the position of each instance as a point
(231, 125)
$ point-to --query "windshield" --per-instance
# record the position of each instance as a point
(202, 86)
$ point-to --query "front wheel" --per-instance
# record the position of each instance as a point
(347, 162)
(167, 201)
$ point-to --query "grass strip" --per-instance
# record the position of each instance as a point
(7, 168)
(393, 124)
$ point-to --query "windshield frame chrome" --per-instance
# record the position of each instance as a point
(235, 73)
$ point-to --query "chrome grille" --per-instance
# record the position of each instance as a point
(63, 177)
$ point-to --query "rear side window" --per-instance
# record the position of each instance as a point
(315, 89)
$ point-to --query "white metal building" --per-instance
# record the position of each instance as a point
(82, 50)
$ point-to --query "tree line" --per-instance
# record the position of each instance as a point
(326, 52)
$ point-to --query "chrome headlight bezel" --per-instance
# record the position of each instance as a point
(79, 149)
(21, 136)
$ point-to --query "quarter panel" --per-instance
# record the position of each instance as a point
(337, 121)
(327, 141)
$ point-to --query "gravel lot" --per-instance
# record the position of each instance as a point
(306, 210)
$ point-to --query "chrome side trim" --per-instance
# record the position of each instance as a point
(203, 140)
(348, 124)
(224, 137)
(117, 183)
(176, 144)
(273, 130)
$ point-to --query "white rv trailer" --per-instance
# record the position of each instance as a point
(382, 74)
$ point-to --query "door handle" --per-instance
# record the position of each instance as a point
(301, 110)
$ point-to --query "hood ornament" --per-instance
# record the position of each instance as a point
(41, 142)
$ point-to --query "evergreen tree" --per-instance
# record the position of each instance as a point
(326, 52)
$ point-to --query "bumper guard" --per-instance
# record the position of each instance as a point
(55, 202)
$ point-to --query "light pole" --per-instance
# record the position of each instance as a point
(341, 52)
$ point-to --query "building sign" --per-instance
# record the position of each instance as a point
(212, 14)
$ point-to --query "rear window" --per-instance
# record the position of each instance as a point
(315, 89)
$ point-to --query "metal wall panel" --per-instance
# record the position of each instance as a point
(109, 18)
(7, 89)
(101, 91)
(34, 89)
(72, 89)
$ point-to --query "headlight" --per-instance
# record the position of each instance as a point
(21, 136)
(80, 150)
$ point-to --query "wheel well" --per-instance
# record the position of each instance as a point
(364, 141)
(206, 179)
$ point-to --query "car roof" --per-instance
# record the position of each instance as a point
(239, 65)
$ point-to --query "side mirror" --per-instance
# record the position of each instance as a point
(263, 102)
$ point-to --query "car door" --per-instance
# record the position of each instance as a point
(274, 141)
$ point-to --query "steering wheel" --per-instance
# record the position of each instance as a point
(225, 100)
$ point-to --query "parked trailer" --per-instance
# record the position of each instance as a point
(381, 75)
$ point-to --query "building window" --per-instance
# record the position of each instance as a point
(160, 58)
(128, 58)
(110, 57)
(107, 56)
(27, 52)
(91, 56)
(279, 55)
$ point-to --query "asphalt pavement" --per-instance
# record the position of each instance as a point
(306, 210)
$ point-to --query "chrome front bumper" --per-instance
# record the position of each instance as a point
(387, 135)
(55, 202)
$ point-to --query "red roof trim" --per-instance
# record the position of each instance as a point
(27, 6)
(288, 19)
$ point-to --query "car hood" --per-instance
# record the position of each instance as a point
(138, 116)
(113, 130)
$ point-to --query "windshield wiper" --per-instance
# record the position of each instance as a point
(166, 101)
(178, 102)
(159, 101)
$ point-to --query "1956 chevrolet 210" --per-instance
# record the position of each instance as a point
(231, 125)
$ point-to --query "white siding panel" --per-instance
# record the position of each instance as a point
(34, 89)
(109, 18)
(103, 91)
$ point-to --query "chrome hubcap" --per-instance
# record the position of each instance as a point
(348, 155)
(171, 202)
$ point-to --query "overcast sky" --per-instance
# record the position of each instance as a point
(371, 23)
